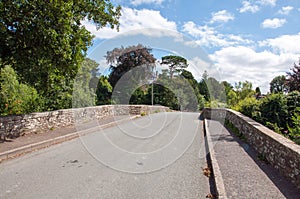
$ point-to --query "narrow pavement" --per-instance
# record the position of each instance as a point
(156, 156)
(245, 174)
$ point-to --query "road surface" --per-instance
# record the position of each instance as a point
(156, 156)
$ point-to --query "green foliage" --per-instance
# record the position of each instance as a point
(216, 89)
(227, 86)
(190, 78)
(175, 63)
(201, 101)
(249, 107)
(274, 127)
(293, 103)
(58, 93)
(242, 98)
(162, 96)
(183, 89)
(244, 90)
(138, 97)
(278, 85)
(294, 131)
(179, 93)
(84, 90)
(45, 42)
(257, 92)
(212, 89)
(203, 90)
(122, 60)
(215, 104)
(274, 109)
(104, 91)
(16, 98)
(232, 99)
(293, 79)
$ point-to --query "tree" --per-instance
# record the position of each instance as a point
(45, 41)
(188, 75)
(216, 89)
(278, 85)
(244, 89)
(249, 107)
(175, 63)
(15, 97)
(293, 79)
(232, 99)
(294, 130)
(257, 92)
(274, 110)
(293, 103)
(122, 60)
(138, 96)
(228, 87)
(190, 78)
(163, 96)
(104, 91)
(83, 87)
(203, 86)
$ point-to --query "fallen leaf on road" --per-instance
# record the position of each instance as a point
(206, 171)
(212, 196)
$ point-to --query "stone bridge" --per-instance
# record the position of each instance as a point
(236, 175)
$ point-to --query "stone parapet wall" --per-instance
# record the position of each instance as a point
(13, 126)
(279, 151)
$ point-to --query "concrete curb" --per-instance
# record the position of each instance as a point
(47, 143)
(220, 188)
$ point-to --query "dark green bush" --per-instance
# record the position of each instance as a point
(15, 97)
(274, 109)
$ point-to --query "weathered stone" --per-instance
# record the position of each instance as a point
(281, 152)
(16, 124)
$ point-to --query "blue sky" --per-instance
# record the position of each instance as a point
(243, 39)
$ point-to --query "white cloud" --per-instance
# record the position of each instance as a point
(268, 2)
(248, 7)
(135, 20)
(242, 63)
(139, 2)
(273, 23)
(254, 6)
(208, 36)
(221, 16)
(197, 66)
(284, 43)
(204, 35)
(285, 10)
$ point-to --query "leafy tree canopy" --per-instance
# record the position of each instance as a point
(104, 91)
(85, 84)
(45, 42)
(293, 79)
(278, 85)
(15, 97)
(174, 62)
(122, 60)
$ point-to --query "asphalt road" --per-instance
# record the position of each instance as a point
(156, 156)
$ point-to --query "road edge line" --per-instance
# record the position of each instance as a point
(219, 183)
